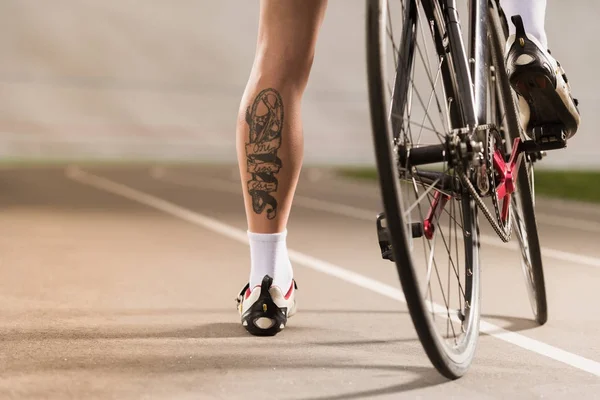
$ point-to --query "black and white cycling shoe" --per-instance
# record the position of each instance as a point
(541, 83)
(265, 309)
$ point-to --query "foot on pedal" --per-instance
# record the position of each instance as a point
(541, 83)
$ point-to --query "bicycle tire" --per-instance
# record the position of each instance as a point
(450, 361)
(523, 209)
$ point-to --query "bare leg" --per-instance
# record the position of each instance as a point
(269, 128)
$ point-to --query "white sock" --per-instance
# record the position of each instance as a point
(269, 256)
(533, 13)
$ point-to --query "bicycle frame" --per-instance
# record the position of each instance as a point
(473, 89)
(475, 108)
(478, 50)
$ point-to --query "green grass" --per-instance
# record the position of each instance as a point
(364, 173)
(571, 185)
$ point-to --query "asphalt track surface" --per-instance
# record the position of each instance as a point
(119, 282)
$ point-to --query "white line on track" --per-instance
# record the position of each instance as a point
(160, 173)
(541, 348)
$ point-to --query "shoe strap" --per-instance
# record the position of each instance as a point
(241, 295)
(518, 23)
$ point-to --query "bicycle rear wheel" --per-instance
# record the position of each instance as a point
(523, 202)
(431, 221)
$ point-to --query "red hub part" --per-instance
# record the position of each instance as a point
(507, 180)
(507, 176)
(437, 206)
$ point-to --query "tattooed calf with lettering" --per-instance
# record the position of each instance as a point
(265, 119)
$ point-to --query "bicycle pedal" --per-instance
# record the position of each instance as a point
(387, 253)
(550, 137)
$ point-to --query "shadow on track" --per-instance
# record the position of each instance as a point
(515, 324)
(427, 377)
(218, 330)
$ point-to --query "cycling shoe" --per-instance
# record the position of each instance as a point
(541, 83)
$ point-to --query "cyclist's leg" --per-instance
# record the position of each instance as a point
(545, 100)
(269, 129)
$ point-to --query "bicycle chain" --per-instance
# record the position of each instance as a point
(506, 228)
(504, 231)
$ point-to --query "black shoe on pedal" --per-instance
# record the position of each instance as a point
(544, 93)
(264, 310)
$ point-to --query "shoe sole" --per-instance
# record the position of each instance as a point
(264, 317)
(545, 103)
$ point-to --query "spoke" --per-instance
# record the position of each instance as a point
(430, 257)
(397, 116)
(437, 273)
(426, 243)
(448, 281)
(415, 188)
(462, 218)
(431, 303)
(456, 249)
(421, 197)
(437, 77)
(447, 243)
(429, 270)
(428, 72)
(447, 105)
(518, 223)
(522, 237)
(432, 263)
(428, 64)
(428, 67)
(450, 261)
(396, 50)
(412, 91)
(438, 228)
(448, 249)
(390, 33)
(454, 219)
(422, 103)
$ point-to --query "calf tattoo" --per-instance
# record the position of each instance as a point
(265, 119)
